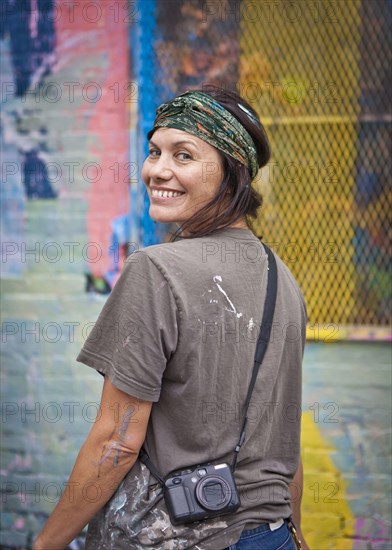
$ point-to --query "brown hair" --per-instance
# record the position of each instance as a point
(235, 197)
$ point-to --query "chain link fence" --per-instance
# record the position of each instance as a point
(317, 74)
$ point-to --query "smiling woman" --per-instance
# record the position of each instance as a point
(176, 342)
(219, 135)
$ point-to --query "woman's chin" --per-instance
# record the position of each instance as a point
(161, 217)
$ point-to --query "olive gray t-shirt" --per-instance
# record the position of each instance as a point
(180, 329)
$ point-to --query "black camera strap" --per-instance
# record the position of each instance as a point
(262, 344)
(143, 457)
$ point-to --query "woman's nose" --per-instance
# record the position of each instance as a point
(160, 168)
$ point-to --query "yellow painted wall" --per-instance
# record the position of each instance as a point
(299, 70)
(327, 520)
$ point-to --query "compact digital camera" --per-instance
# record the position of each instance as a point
(200, 492)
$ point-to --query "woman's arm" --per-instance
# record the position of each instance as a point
(296, 489)
(109, 452)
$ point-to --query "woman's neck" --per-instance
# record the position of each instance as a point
(240, 224)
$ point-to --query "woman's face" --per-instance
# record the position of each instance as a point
(182, 173)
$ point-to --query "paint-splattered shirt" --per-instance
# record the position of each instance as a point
(180, 329)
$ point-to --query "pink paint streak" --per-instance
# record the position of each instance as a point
(371, 529)
(107, 132)
(33, 23)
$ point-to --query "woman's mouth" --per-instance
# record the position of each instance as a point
(161, 194)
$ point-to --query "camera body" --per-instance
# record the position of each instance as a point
(200, 492)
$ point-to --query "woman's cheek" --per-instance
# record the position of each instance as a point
(144, 172)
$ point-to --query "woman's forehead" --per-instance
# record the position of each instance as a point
(174, 137)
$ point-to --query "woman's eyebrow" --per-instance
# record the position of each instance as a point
(177, 143)
(186, 141)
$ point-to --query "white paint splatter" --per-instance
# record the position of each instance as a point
(160, 286)
(119, 502)
(126, 341)
(233, 310)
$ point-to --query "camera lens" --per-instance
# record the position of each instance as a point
(213, 492)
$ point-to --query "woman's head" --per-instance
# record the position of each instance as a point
(182, 173)
(229, 145)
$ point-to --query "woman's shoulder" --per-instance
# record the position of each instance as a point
(289, 282)
(175, 260)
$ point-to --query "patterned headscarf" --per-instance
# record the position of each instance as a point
(199, 114)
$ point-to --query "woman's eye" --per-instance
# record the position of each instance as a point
(184, 156)
(153, 152)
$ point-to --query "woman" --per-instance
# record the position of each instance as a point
(176, 342)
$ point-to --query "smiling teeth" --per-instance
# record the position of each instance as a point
(156, 193)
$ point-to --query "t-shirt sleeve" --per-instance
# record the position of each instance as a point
(136, 332)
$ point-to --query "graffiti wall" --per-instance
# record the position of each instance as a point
(64, 126)
(80, 82)
(64, 224)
